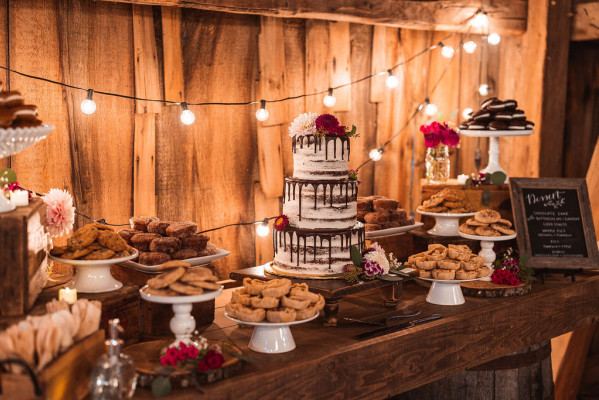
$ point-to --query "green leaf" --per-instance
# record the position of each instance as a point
(7, 176)
(486, 197)
(468, 183)
(498, 178)
(390, 278)
(454, 113)
(161, 386)
(524, 260)
(356, 256)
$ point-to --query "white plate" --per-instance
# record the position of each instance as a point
(271, 324)
(447, 215)
(207, 295)
(194, 262)
(488, 238)
(94, 262)
(490, 133)
(392, 231)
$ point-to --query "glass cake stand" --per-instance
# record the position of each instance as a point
(15, 140)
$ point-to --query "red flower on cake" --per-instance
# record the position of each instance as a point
(327, 124)
(281, 222)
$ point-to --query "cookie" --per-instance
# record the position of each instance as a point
(167, 278)
(197, 273)
(161, 292)
(120, 254)
(141, 241)
(504, 116)
(486, 231)
(204, 284)
(58, 250)
(82, 237)
(517, 125)
(141, 223)
(461, 274)
(7, 116)
(186, 289)
(503, 229)
(498, 125)
(173, 264)
(153, 258)
(111, 240)
(195, 242)
(519, 115)
(385, 204)
(487, 216)
(158, 227)
(372, 227)
(487, 102)
(443, 274)
(505, 222)
(26, 123)
(473, 222)
(510, 104)
(184, 254)
(103, 254)
(127, 234)
(481, 116)
(364, 204)
(529, 125)
(477, 126)
(165, 245)
(496, 105)
(377, 217)
(182, 229)
(25, 113)
(75, 254)
(281, 315)
(102, 226)
(467, 229)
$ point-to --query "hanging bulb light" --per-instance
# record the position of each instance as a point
(466, 113)
(494, 38)
(262, 229)
(392, 80)
(376, 154)
(469, 47)
(262, 113)
(430, 108)
(481, 20)
(187, 116)
(329, 100)
(88, 106)
(483, 89)
(446, 51)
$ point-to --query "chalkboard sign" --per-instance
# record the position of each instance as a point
(554, 222)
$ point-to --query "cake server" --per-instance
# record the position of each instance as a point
(384, 323)
(398, 327)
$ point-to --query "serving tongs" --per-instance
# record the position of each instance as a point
(384, 323)
(398, 327)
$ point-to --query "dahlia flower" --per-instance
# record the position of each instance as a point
(60, 213)
(303, 124)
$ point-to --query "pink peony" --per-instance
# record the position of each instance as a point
(60, 213)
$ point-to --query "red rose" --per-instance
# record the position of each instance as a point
(192, 352)
(215, 361)
(202, 365)
(329, 125)
(281, 222)
(449, 137)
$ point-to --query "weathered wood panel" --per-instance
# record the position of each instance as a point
(144, 165)
(379, 64)
(317, 66)
(174, 86)
(271, 51)
(339, 64)
(265, 207)
(4, 162)
(147, 81)
(586, 21)
(270, 163)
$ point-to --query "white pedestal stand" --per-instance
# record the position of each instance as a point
(183, 323)
(445, 292)
(446, 224)
(486, 244)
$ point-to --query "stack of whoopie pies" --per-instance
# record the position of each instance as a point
(497, 115)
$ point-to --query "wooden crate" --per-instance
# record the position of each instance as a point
(23, 258)
(66, 378)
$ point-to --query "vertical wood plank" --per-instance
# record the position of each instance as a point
(147, 83)
(593, 186)
(569, 375)
(317, 68)
(173, 58)
(4, 162)
(271, 51)
(378, 64)
(265, 207)
(144, 165)
(269, 161)
(339, 62)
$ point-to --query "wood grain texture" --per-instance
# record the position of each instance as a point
(174, 87)
(4, 59)
(317, 66)
(379, 63)
(264, 207)
(273, 82)
(144, 165)
(571, 369)
(585, 23)
(593, 185)
(147, 80)
(339, 63)
(508, 16)
(270, 163)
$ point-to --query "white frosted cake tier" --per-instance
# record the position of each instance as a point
(320, 157)
(320, 204)
(311, 252)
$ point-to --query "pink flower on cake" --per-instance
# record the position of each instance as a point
(281, 222)
(60, 213)
(327, 124)
(303, 124)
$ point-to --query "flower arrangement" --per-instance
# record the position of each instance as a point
(369, 264)
(281, 222)
(481, 178)
(202, 358)
(60, 213)
(511, 269)
(353, 175)
(436, 134)
(319, 125)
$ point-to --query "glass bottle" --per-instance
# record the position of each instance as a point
(113, 376)
(437, 164)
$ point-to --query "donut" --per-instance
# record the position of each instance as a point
(385, 204)
(184, 254)
(141, 223)
(196, 242)
(141, 241)
(165, 245)
(377, 217)
(153, 258)
(158, 227)
(461, 274)
(182, 229)
(443, 274)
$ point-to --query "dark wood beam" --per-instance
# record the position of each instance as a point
(508, 16)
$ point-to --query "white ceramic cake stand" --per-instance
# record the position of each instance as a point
(446, 293)
(446, 224)
(493, 164)
(183, 323)
(486, 248)
(93, 276)
(272, 337)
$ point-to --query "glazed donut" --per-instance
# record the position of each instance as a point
(264, 302)
(295, 302)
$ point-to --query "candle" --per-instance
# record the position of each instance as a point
(462, 179)
(68, 295)
(19, 198)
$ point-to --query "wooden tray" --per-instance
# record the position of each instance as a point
(492, 290)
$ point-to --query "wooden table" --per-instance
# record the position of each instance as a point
(330, 362)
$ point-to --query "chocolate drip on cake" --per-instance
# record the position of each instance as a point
(317, 140)
(291, 184)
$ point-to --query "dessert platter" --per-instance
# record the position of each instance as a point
(382, 217)
(496, 119)
(181, 286)
(446, 268)
(272, 307)
(447, 207)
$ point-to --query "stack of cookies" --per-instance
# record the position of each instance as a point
(448, 200)
(497, 115)
(14, 113)
(487, 223)
(276, 300)
(378, 212)
(448, 263)
(93, 242)
(179, 279)
(160, 241)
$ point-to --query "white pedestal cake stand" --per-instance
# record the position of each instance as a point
(446, 224)
(93, 276)
(446, 292)
(183, 323)
(272, 337)
(494, 136)
(486, 248)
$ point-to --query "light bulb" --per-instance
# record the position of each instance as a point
(88, 106)
(262, 229)
(469, 47)
(375, 154)
(329, 100)
(392, 80)
(262, 113)
(481, 20)
(494, 38)
(483, 89)
(466, 113)
(431, 109)
(447, 51)
(187, 116)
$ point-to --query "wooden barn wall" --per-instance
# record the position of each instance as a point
(220, 169)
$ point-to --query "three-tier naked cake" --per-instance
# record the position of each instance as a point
(319, 201)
